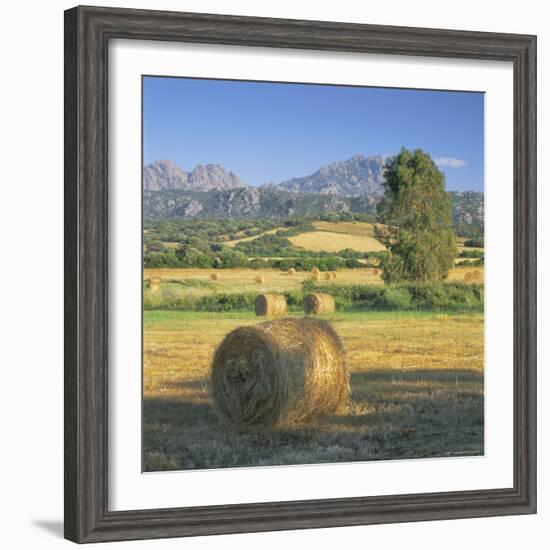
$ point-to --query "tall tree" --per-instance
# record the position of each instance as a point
(417, 216)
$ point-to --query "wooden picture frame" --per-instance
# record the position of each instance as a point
(87, 34)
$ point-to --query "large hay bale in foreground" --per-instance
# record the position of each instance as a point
(318, 302)
(271, 305)
(279, 372)
(214, 276)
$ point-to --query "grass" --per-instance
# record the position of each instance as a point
(417, 386)
(231, 244)
(334, 242)
(200, 295)
(196, 282)
(243, 280)
(362, 229)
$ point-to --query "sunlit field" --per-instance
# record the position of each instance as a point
(417, 389)
(416, 376)
(334, 242)
(244, 280)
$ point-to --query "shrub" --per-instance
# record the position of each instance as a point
(397, 298)
(477, 242)
(471, 254)
(405, 296)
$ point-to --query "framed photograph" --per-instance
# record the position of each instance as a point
(300, 274)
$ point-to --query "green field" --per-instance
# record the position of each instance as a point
(417, 391)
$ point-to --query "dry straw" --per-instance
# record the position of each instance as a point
(270, 305)
(154, 283)
(468, 276)
(280, 372)
(214, 276)
(291, 271)
(317, 303)
(315, 270)
(259, 280)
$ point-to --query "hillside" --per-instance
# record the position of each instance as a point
(248, 202)
(251, 202)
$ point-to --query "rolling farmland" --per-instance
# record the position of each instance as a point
(416, 376)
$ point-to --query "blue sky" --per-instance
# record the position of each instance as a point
(270, 132)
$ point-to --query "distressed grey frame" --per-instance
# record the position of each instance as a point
(87, 34)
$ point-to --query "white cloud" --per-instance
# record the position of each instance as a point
(451, 162)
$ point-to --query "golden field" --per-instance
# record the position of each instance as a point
(334, 242)
(364, 229)
(416, 376)
(242, 280)
(417, 389)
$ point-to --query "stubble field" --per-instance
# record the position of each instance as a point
(417, 389)
(244, 280)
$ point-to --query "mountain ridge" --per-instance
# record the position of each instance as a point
(162, 175)
(253, 202)
(354, 185)
(357, 176)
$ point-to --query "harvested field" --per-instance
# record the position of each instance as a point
(362, 229)
(416, 385)
(334, 242)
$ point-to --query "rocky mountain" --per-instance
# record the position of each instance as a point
(165, 175)
(211, 191)
(355, 177)
(248, 202)
(468, 207)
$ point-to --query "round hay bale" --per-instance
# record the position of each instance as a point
(259, 280)
(477, 276)
(468, 276)
(334, 274)
(315, 277)
(271, 305)
(279, 372)
(291, 271)
(376, 271)
(315, 271)
(214, 276)
(317, 302)
(328, 276)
